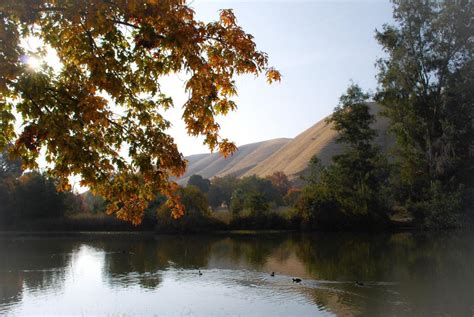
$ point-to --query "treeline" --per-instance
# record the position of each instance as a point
(358, 191)
(29, 200)
(364, 188)
(232, 203)
(425, 90)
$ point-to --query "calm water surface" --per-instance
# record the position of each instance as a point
(403, 274)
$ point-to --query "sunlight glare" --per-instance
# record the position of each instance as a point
(34, 62)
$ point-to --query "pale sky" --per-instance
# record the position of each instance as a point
(319, 47)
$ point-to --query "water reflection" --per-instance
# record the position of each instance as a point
(402, 274)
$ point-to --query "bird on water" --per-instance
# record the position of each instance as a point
(273, 274)
(296, 280)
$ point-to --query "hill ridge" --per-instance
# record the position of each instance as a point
(290, 156)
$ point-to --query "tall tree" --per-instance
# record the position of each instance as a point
(100, 114)
(426, 86)
(361, 170)
(348, 193)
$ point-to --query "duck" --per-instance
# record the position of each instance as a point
(359, 283)
(200, 273)
(273, 274)
(296, 280)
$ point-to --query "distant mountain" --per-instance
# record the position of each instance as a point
(245, 158)
(293, 158)
(290, 156)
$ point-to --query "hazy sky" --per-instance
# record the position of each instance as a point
(319, 47)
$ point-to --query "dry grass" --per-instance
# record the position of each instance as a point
(293, 158)
(245, 158)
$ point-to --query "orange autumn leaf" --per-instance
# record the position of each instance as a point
(113, 55)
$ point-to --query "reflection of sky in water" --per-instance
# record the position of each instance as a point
(403, 274)
(180, 292)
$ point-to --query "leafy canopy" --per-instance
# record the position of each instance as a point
(426, 84)
(426, 87)
(349, 192)
(202, 183)
(100, 114)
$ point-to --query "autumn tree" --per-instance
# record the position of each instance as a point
(99, 113)
(280, 181)
(426, 86)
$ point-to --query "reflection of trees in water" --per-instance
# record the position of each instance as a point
(435, 273)
(11, 287)
(342, 257)
(251, 251)
(441, 267)
(432, 273)
(32, 264)
(137, 262)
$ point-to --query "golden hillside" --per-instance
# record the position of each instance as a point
(245, 158)
(293, 158)
(288, 155)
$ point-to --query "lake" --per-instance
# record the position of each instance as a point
(402, 274)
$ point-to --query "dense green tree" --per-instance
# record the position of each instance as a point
(202, 183)
(255, 184)
(99, 114)
(29, 198)
(215, 197)
(221, 190)
(36, 198)
(426, 85)
(194, 200)
(237, 201)
(197, 216)
(256, 204)
(348, 193)
(255, 195)
(362, 166)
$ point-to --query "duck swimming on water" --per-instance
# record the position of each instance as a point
(359, 283)
(296, 280)
(273, 274)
